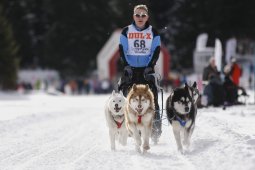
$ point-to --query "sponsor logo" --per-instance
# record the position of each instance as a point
(138, 35)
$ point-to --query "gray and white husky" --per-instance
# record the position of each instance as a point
(115, 119)
(181, 109)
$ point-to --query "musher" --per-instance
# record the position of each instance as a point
(139, 50)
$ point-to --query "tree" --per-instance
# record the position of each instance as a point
(181, 21)
(21, 17)
(8, 55)
(67, 35)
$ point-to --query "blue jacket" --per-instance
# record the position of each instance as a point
(139, 60)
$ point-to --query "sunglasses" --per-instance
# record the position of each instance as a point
(140, 15)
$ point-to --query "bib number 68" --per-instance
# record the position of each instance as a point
(139, 43)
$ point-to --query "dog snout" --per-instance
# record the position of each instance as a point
(186, 109)
(139, 106)
(116, 105)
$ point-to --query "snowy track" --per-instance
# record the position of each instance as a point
(63, 133)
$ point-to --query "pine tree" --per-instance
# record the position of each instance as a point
(8, 55)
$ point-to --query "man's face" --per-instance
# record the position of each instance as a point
(140, 17)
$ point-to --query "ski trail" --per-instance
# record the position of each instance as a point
(62, 143)
(33, 149)
(64, 131)
(216, 139)
(75, 137)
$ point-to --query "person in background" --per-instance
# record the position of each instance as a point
(236, 71)
(211, 71)
(251, 70)
(139, 51)
(231, 89)
(213, 89)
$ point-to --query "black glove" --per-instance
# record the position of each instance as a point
(147, 74)
(128, 72)
(148, 70)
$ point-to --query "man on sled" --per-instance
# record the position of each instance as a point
(139, 50)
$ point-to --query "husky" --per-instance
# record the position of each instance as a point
(181, 109)
(139, 113)
(115, 118)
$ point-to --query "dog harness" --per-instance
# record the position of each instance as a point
(180, 120)
(118, 123)
(140, 118)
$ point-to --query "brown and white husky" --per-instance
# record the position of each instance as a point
(139, 114)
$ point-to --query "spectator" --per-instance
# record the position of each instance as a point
(211, 71)
(250, 75)
(236, 71)
(213, 90)
(231, 89)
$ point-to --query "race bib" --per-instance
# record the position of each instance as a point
(139, 42)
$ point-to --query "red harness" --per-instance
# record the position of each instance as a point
(139, 118)
(118, 123)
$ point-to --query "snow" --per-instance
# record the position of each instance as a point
(41, 131)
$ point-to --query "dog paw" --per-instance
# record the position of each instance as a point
(144, 151)
(139, 142)
(137, 148)
(123, 142)
(186, 142)
(146, 147)
(155, 140)
(180, 150)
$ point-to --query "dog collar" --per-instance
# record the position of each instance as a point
(118, 123)
(180, 120)
(140, 118)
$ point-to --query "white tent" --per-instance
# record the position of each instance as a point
(218, 54)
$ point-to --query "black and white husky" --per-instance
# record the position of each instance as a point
(115, 118)
(181, 109)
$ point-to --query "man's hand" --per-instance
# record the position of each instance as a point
(146, 73)
(128, 71)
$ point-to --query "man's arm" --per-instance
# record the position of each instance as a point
(154, 57)
(123, 46)
(155, 48)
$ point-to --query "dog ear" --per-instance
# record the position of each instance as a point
(121, 93)
(186, 87)
(194, 84)
(134, 87)
(146, 87)
(113, 92)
